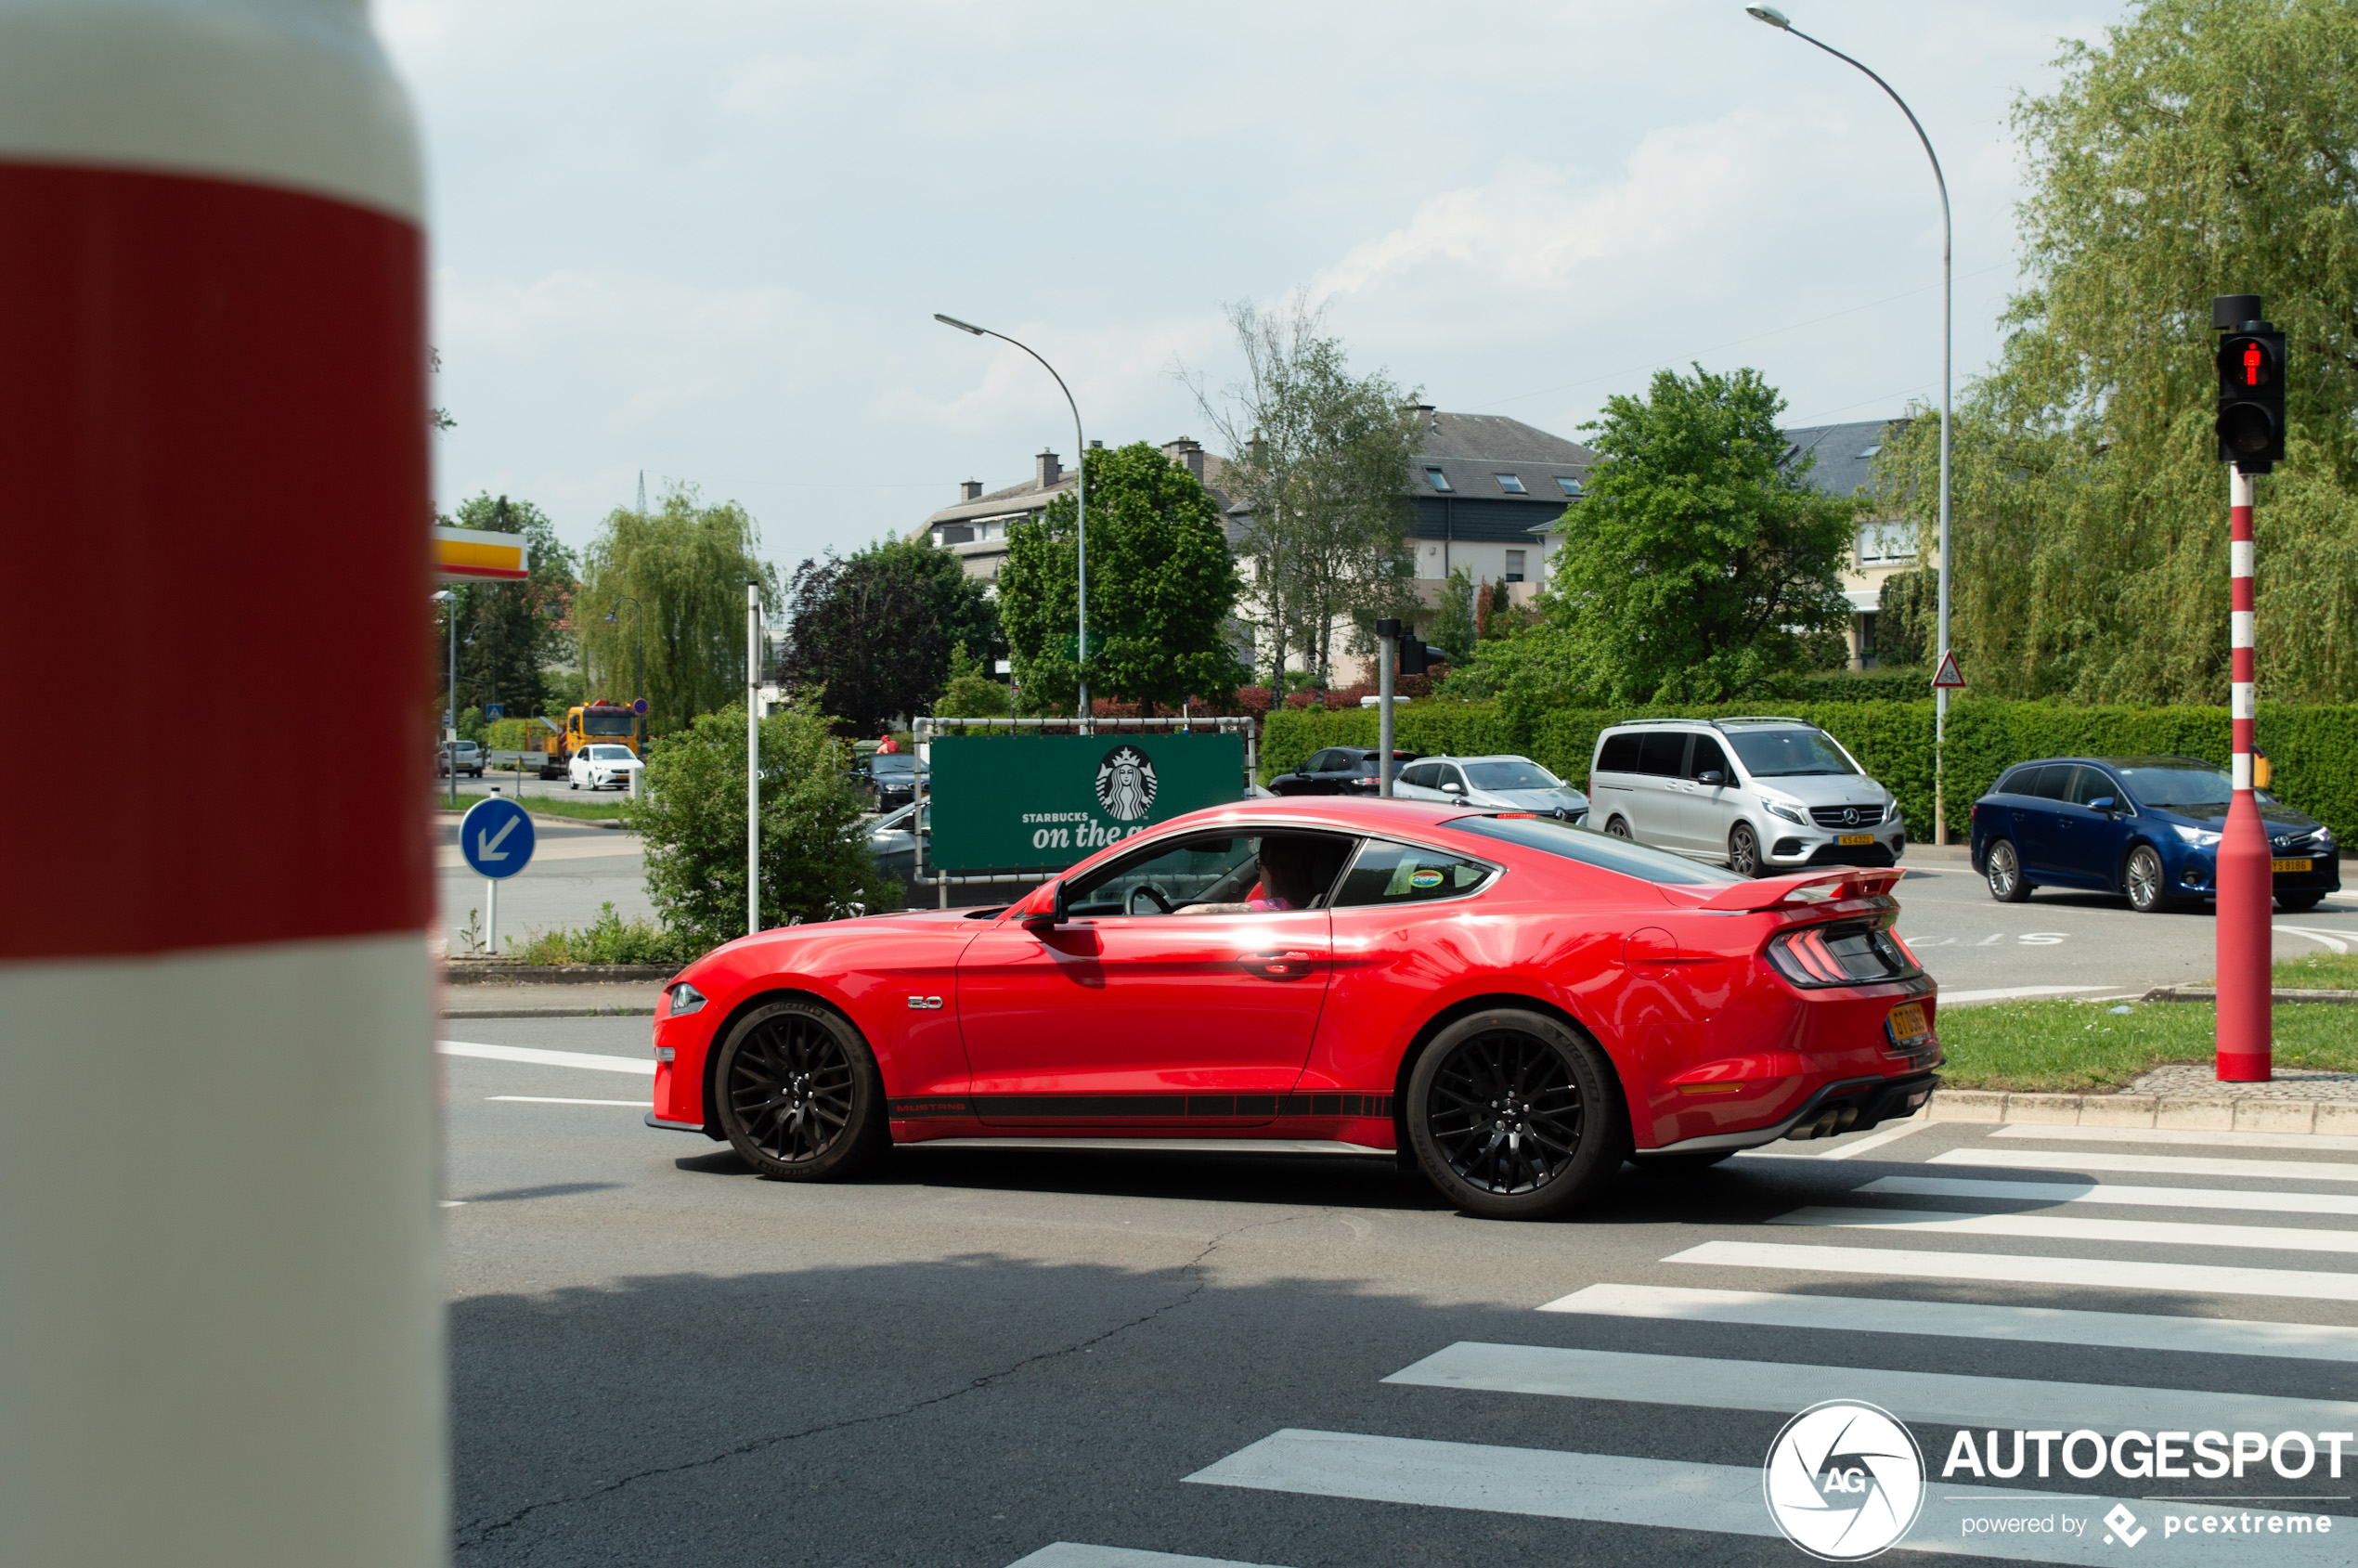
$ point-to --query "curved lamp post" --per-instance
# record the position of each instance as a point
(1081, 494)
(1778, 19)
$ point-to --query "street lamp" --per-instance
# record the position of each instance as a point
(639, 675)
(1778, 19)
(449, 601)
(1079, 491)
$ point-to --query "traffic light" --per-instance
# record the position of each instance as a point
(2252, 384)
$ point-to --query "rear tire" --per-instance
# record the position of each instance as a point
(1743, 851)
(1618, 828)
(1514, 1115)
(2143, 879)
(800, 1095)
(2003, 867)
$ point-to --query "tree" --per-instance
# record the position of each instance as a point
(687, 565)
(511, 633)
(1907, 617)
(1161, 586)
(2204, 148)
(814, 857)
(966, 693)
(1453, 630)
(1702, 559)
(875, 631)
(1322, 469)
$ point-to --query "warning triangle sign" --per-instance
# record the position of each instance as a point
(1948, 677)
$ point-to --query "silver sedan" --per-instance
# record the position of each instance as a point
(1499, 783)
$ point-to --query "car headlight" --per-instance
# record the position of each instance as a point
(2324, 839)
(2201, 839)
(685, 999)
(1779, 809)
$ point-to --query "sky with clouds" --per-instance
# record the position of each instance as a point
(705, 240)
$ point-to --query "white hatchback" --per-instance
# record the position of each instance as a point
(599, 766)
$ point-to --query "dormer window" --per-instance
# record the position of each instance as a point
(1570, 487)
(1510, 484)
(1440, 480)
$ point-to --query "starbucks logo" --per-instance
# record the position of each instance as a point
(1126, 783)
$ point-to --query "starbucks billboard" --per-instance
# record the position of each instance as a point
(1021, 802)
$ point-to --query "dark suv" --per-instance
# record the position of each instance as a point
(2144, 826)
(1339, 770)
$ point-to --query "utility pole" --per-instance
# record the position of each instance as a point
(753, 758)
(1387, 645)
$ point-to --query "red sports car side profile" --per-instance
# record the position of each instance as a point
(1522, 1003)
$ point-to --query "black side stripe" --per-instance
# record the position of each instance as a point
(1128, 1108)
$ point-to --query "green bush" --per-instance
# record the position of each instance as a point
(2313, 749)
(607, 939)
(512, 734)
(814, 851)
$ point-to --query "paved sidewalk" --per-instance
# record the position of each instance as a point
(490, 1000)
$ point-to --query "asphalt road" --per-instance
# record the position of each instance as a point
(972, 1356)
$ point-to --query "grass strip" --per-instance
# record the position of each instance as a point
(2318, 971)
(556, 806)
(2066, 1047)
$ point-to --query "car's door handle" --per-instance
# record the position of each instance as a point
(1280, 963)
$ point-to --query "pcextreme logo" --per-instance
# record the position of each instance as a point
(1843, 1481)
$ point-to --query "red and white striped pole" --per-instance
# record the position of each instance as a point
(2247, 878)
(220, 1302)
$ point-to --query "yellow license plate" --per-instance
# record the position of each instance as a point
(2289, 865)
(1848, 840)
(1909, 1028)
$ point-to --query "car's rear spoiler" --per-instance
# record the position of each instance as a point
(1829, 886)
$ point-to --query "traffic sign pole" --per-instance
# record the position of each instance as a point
(2246, 877)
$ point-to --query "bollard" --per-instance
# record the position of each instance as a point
(2247, 876)
(219, 1254)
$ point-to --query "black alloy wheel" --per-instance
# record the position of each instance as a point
(1743, 851)
(2143, 879)
(2002, 868)
(1618, 828)
(800, 1096)
(1513, 1116)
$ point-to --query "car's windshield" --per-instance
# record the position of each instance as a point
(2186, 784)
(1600, 849)
(608, 753)
(1783, 754)
(894, 762)
(607, 723)
(1516, 774)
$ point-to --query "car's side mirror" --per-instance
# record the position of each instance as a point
(1711, 776)
(1057, 911)
(2103, 803)
(1451, 786)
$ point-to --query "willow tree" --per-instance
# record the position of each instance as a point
(687, 565)
(2204, 148)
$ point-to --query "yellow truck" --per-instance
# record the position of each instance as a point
(603, 722)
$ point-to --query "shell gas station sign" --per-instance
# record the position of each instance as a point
(470, 555)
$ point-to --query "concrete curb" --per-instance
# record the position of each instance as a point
(549, 1012)
(2145, 1110)
(471, 972)
(2210, 993)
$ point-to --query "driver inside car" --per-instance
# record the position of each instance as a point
(1294, 873)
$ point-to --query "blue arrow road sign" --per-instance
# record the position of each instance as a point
(496, 836)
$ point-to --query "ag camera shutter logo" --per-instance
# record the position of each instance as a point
(1843, 1481)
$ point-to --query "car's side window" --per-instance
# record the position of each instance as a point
(1708, 758)
(1619, 755)
(1421, 775)
(1217, 875)
(1319, 762)
(1662, 753)
(2054, 781)
(1453, 776)
(1387, 873)
(2094, 786)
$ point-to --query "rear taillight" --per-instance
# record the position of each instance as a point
(1849, 953)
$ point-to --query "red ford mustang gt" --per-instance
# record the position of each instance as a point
(1521, 1002)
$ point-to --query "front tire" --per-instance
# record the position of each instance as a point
(800, 1097)
(2003, 867)
(1743, 851)
(2144, 882)
(1618, 828)
(1514, 1115)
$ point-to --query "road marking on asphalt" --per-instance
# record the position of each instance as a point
(2178, 1135)
(554, 1100)
(1947, 1398)
(2338, 941)
(2015, 994)
(1967, 1320)
(1071, 1554)
(2119, 1193)
(2076, 1227)
(1874, 1140)
(2111, 1274)
(1670, 1495)
(2150, 1164)
(644, 1066)
(448, 856)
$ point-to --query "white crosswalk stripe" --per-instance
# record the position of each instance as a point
(1071, 1554)
(2077, 1228)
(2051, 1205)
(2151, 1164)
(1968, 1320)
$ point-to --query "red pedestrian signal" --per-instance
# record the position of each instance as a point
(2251, 398)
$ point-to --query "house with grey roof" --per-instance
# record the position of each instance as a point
(1884, 545)
(1491, 496)
(974, 527)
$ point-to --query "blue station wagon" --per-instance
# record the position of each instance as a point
(2146, 827)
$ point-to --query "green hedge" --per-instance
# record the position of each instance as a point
(2314, 751)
